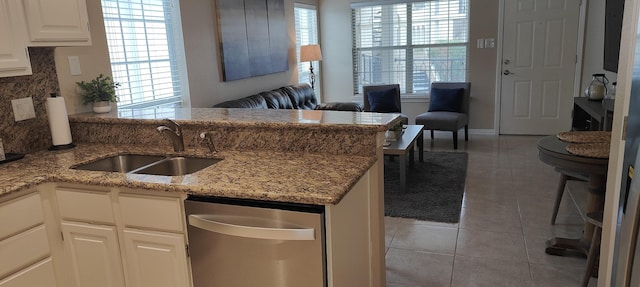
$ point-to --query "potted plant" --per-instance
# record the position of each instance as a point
(394, 132)
(100, 92)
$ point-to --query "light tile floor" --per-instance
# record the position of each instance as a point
(505, 221)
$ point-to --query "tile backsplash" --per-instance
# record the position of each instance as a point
(32, 134)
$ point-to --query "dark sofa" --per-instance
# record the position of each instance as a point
(299, 96)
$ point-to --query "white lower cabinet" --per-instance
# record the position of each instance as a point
(155, 259)
(25, 252)
(94, 254)
(40, 274)
(117, 240)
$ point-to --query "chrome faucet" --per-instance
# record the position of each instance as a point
(207, 137)
(172, 130)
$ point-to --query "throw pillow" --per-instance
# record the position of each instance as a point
(446, 100)
(383, 101)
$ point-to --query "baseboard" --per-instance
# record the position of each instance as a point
(490, 132)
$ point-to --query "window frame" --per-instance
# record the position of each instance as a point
(303, 67)
(122, 59)
(409, 46)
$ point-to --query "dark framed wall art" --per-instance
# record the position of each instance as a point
(253, 38)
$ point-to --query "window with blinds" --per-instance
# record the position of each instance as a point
(306, 25)
(146, 52)
(413, 43)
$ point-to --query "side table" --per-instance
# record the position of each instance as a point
(552, 152)
(403, 146)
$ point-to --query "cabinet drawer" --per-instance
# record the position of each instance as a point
(162, 213)
(20, 214)
(40, 274)
(23, 249)
(85, 206)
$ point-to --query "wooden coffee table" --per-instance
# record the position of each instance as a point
(403, 146)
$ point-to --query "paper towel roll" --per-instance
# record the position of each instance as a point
(58, 121)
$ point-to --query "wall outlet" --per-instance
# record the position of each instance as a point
(490, 43)
(74, 66)
(23, 109)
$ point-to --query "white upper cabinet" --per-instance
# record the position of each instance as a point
(14, 57)
(57, 22)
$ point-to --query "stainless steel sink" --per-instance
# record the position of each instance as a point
(175, 166)
(120, 163)
(149, 164)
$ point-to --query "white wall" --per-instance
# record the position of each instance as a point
(335, 38)
(202, 55)
(94, 60)
(594, 44)
(207, 88)
(337, 71)
(199, 25)
(337, 83)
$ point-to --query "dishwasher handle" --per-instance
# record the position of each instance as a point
(213, 223)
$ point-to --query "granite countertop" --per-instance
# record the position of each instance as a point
(272, 176)
(308, 119)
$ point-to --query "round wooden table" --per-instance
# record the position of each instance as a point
(552, 152)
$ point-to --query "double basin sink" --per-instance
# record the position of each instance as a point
(149, 164)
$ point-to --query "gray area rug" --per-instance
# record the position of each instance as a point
(434, 187)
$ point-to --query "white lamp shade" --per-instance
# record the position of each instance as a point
(310, 53)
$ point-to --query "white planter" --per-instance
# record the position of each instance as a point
(390, 135)
(102, 107)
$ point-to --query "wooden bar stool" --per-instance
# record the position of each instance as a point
(594, 218)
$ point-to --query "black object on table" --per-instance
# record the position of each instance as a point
(552, 152)
(9, 157)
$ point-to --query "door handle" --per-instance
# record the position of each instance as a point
(215, 223)
(507, 72)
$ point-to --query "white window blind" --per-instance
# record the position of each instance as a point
(412, 44)
(146, 52)
(306, 25)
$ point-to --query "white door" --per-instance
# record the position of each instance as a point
(156, 259)
(94, 254)
(538, 66)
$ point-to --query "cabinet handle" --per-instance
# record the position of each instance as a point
(215, 223)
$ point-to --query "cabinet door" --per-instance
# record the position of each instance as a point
(40, 274)
(94, 254)
(14, 57)
(57, 22)
(156, 259)
(23, 249)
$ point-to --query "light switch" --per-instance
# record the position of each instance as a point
(23, 109)
(480, 43)
(74, 66)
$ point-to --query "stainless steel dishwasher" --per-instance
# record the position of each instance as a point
(245, 243)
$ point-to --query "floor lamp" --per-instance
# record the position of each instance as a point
(310, 53)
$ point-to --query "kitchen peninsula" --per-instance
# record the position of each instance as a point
(326, 158)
